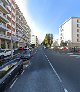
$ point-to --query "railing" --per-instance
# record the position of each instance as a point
(9, 8)
(4, 6)
(14, 67)
(5, 37)
(13, 12)
(4, 17)
(2, 24)
(13, 26)
(6, 1)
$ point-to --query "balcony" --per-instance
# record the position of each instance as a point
(3, 27)
(5, 37)
(5, 1)
(2, 17)
(13, 19)
(19, 35)
(15, 39)
(13, 12)
(13, 26)
(9, 8)
(9, 15)
(13, 6)
(19, 24)
(3, 8)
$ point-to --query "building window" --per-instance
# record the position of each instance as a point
(77, 25)
(77, 35)
(78, 20)
(77, 30)
(77, 40)
(8, 34)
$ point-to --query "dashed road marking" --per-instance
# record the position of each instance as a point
(22, 72)
(13, 83)
(45, 56)
(65, 90)
(48, 60)
(78, 56)
(55, 72)
(69, 53)
(53, 69)
(74, 55)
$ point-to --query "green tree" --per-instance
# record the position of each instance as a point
(48, 40)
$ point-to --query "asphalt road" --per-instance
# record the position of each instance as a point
(39, 76)
(67, 67)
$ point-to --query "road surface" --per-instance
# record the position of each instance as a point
(67, 67)
(38, 77)
(49, 71)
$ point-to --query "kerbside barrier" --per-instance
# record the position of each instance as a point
(8, 71)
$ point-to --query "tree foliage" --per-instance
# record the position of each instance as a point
(48, 40)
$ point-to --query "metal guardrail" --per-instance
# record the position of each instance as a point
(16, 69)
(6, 64)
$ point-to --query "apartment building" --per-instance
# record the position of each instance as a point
(12, 22)
(13, 26)
(34, 40)
(3, 24)
(23, 31)
(7, 23)
(70, 31)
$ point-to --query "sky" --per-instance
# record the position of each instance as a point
(45, 16)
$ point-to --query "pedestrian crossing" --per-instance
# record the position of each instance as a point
(74, 55)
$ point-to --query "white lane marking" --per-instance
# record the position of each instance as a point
(22, 72)
(74, 55)
(65, 90)
(45, 56)
(48, 60)
(54, 69)
(55, 72)
(78, 56)
(13, 83)
(69, 53)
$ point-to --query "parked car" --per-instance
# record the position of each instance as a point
(21, 48)
(5, 52)
(26, 54)
(26, 48)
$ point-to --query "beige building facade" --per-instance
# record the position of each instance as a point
(69, 32)
(13, 26)
(4, 38)
(23, 31)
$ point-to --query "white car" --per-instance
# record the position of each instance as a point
(5, 52)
